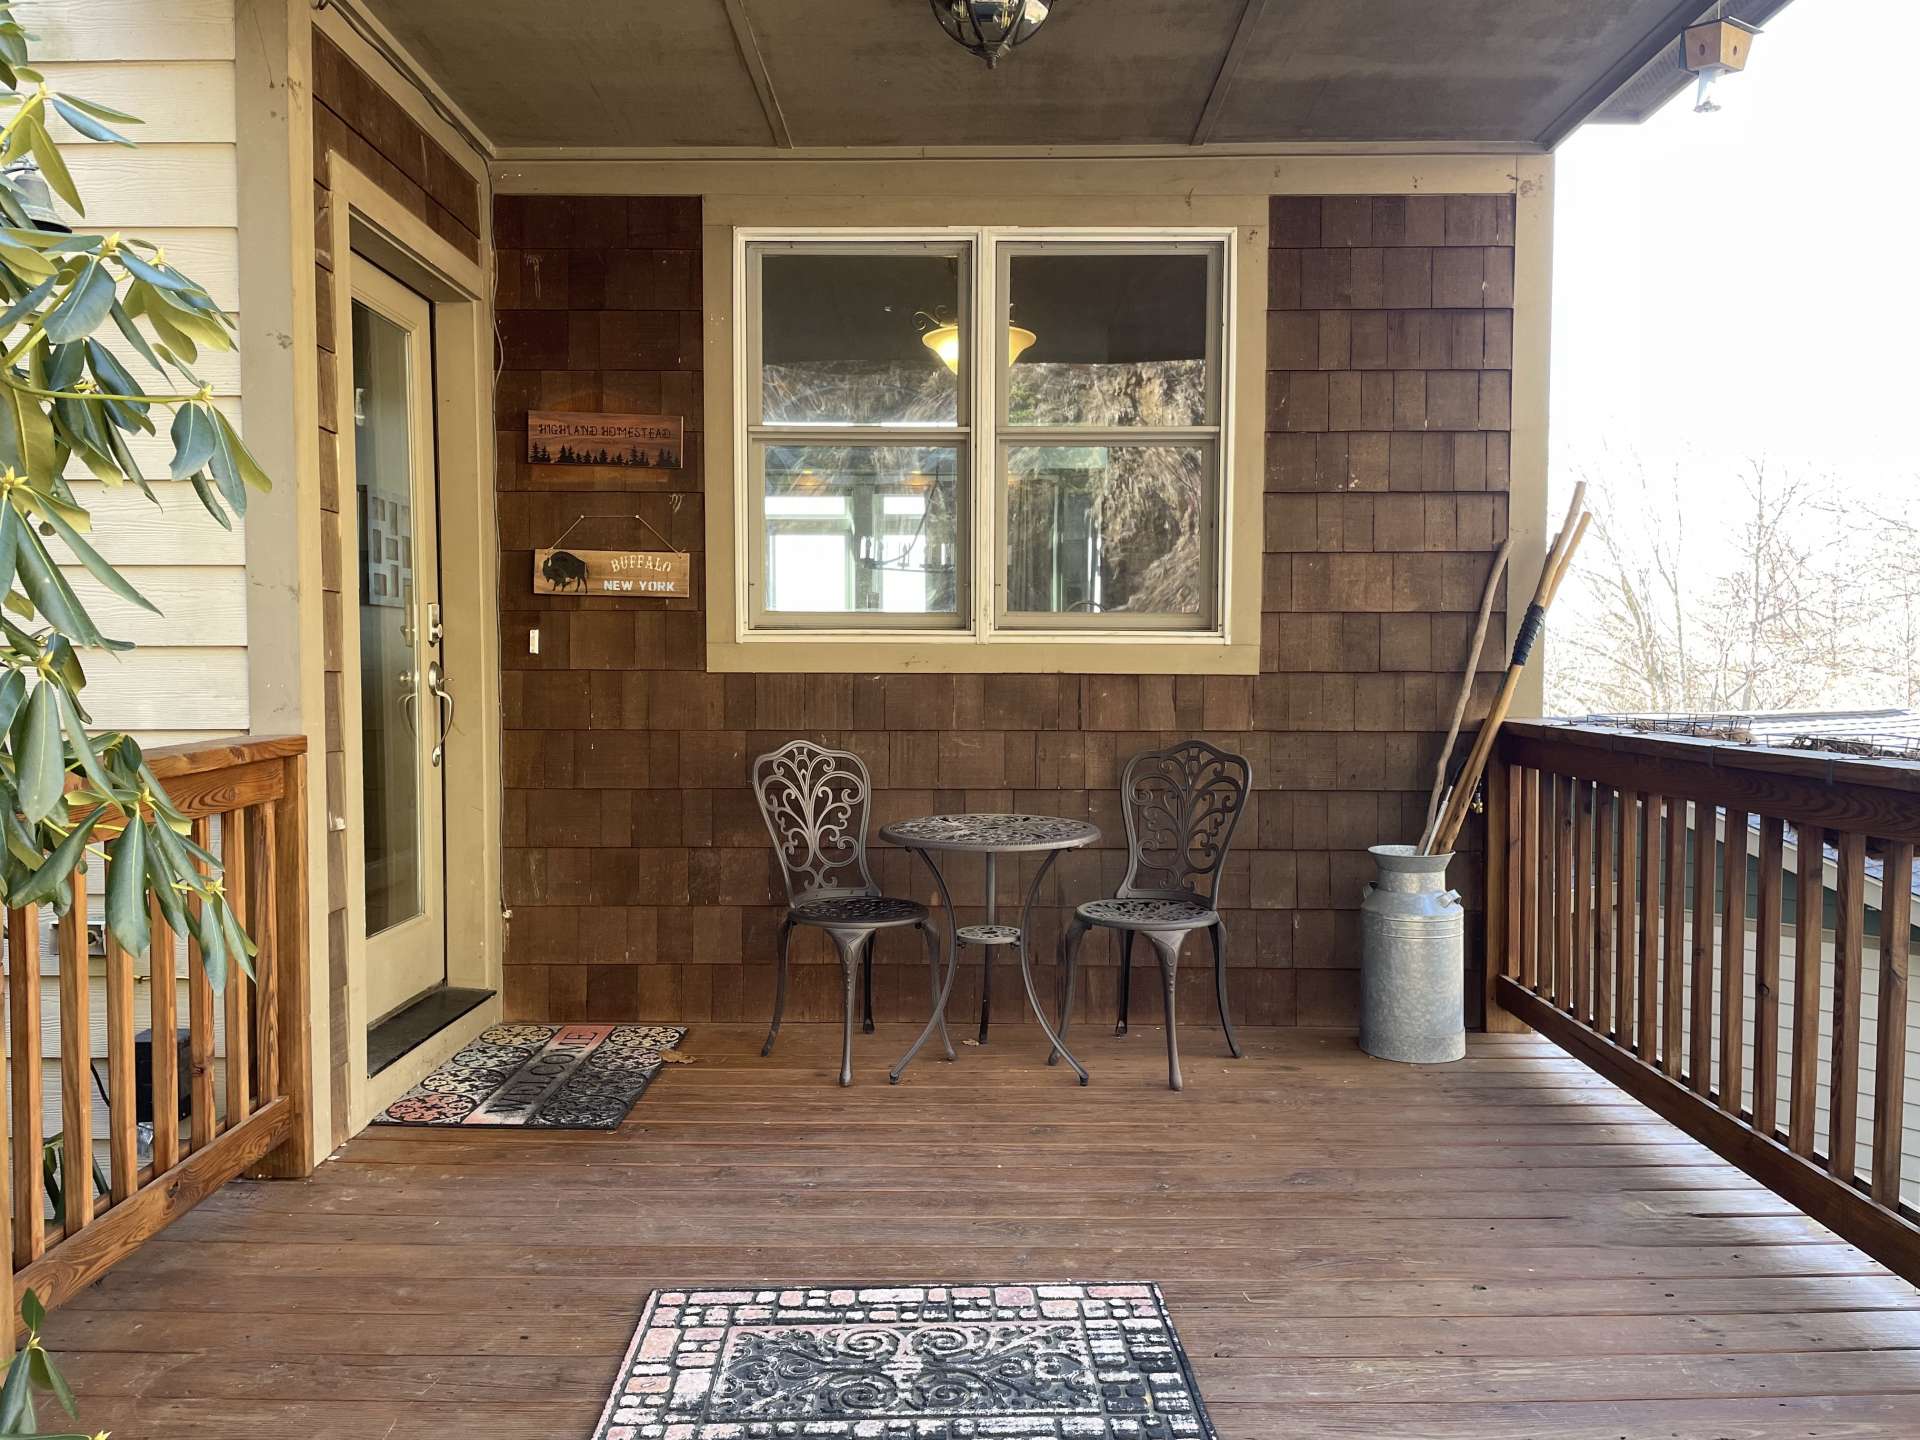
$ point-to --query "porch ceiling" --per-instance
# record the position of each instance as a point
(609, 73)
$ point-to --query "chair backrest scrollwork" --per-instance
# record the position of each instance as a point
(815, 803)
(1182, 805)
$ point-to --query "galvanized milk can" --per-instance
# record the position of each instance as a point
(1412, 960)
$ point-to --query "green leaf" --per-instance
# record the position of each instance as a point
(243, 461)
(49, 1378)
(45, 882)
(10, 523)
(127, 887)
(160, 880)
(16, 1399)
(50, 593)
(102, 112)
(213, 942)
(86, 124)
(164, 277)
(32, 1311)
(42, 759)
(212, 502)
(81, 742)
(86, 306)
(27, 303)
(26, 434)
(13, 689)
(195, 438)
(26, 260)
(52, 166)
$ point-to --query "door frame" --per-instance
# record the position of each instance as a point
(368, 227)
(423, 934)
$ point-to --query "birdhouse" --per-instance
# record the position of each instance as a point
(1717, 45)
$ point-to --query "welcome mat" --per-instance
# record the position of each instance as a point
(922, 1362)
(557, 1077)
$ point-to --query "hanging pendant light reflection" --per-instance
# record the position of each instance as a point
(944, 341)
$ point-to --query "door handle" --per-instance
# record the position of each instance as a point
(409, 695)
(443, 707)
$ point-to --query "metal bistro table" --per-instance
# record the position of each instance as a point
(990, 836)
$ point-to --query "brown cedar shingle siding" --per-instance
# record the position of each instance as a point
(636, 866)
(354, 118)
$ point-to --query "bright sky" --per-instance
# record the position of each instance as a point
(1747, 283)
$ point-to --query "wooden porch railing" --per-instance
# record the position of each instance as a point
(64, 1228)
(1638, 911)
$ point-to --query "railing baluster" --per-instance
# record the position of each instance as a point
(1849, 933)
(1530, 863)
(1733, 963)
(1809, 931)
(1604, 901)
(76, 1065)
(201, 1123)
(233, 857)
(1564, 810)
(123, 1150)
(1700, 1032)
(164, 1002)
(1890, 1051)
(1582, 1005)
(1675, 937)
(1649, 981)
(1766, 978)
(23, 1001)
(1626, 991)
(264, 930)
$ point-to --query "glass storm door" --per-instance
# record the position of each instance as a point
(403, 704)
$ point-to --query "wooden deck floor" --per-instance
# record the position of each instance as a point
(1502, 1249)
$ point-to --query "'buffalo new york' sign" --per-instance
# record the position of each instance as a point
(635, 574)
(641, 442)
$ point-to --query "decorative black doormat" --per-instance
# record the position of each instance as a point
(556, 1077)
(922, 1362)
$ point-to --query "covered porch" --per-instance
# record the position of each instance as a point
(1503, 1249)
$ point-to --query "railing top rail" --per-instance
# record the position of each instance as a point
(1820, 766)
(196, 757)
(1840, 792)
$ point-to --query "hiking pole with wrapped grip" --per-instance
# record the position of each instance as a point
(1441, 836)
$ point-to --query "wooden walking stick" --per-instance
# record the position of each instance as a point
(1442, 836)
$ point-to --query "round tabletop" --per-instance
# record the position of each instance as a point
(990, 834)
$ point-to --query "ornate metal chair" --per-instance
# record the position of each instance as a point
(815, 803)
(1182, 805)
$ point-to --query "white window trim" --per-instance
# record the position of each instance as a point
(982, 444)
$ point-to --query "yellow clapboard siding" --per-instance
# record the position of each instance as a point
(129, 529)
(189, 686)
(199, 605)
(131, 30)
(183, 185)
(186, 100)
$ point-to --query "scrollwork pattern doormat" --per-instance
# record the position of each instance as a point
(919, 1362)
(554, 1077)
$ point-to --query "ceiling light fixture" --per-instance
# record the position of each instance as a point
(990, 28)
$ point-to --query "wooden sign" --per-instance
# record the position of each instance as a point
(632, 574)
(640, 442)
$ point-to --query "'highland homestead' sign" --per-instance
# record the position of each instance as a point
(642, 442)
(633, 574)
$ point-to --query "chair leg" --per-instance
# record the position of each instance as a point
(986, 989)
(1070, 939)
(849, 948)
(1219, 933)
(1168, 944)
(779, 986)
(933, 965)
(866, 987)
(1126, 979)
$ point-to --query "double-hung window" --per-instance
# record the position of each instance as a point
(984, 434)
